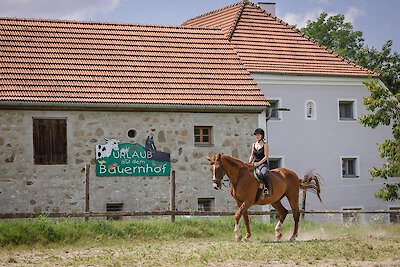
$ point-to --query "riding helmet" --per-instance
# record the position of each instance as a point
(259, 131)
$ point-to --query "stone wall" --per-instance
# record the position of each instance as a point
(25, 187)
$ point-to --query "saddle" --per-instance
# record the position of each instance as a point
(263, 178)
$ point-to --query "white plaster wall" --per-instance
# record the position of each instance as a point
(319, 143)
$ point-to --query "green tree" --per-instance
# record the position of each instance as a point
(385, 62)
(336, 34)
(385, 107)
(339, 36)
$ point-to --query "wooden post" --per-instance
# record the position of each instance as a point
(172, 195)
(303, 204)
(87, 171)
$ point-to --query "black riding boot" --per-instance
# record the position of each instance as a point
(266, 184)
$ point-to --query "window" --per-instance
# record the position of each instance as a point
(203, 135)
(349, 217)
(349, 167)
(310, 110)
(205, 204)
(114, 207)
(273, 108)
(347, 110)
(394, 217)
(275, 163)
(274, 215)
(49, 141)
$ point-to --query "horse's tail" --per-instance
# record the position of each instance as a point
(312, 181)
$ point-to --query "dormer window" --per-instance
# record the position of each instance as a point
(311, 113)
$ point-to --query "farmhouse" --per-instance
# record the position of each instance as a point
(324, 93)
(69, 88)
(76, 93)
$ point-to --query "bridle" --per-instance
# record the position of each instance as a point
(220, 172)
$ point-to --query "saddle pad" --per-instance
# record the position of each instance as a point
(259, 179)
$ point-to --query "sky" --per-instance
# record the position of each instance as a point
(378, 20)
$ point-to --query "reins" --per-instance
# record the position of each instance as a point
(241, 173)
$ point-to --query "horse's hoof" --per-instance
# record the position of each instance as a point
(293, 238)
(238, 238)
(246, 239)
(278, 237)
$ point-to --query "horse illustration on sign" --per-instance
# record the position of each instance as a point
(156, 155)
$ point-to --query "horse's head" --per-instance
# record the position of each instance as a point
(217, 170)
(150, 143)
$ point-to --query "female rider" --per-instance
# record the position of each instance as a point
(259, 158)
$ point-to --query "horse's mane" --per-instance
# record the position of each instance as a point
(241, 164)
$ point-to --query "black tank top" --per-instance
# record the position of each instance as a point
(258, 154)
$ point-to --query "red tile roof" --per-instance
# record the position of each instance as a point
(267, 44)
(83, 62)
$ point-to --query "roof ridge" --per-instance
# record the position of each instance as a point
(72, 22)
(239, 14)
(292, 27)
(214, 11)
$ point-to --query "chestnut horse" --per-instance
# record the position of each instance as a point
(245, 190)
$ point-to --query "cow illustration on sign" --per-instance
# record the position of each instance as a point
(104, 151)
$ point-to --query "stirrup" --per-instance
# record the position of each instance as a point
(265, 192)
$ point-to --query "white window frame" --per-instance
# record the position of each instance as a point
(273, 217)
(280, 117)
(281, 158)
(357, 167)
(357, 208)
(306, 110)
(393, 208)
(355, 114)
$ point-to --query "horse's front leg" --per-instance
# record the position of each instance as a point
(241, 211)
(236, 231)
(247, 224)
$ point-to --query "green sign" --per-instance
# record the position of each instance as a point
(115, 159)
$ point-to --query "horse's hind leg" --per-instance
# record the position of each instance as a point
(282, 215)
(294, 204)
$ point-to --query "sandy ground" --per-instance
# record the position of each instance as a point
(169, 253)
(369, 248)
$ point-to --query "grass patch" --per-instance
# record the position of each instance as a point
(193, 242)
(44, 231)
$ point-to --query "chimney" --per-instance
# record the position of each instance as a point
(267, 6)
